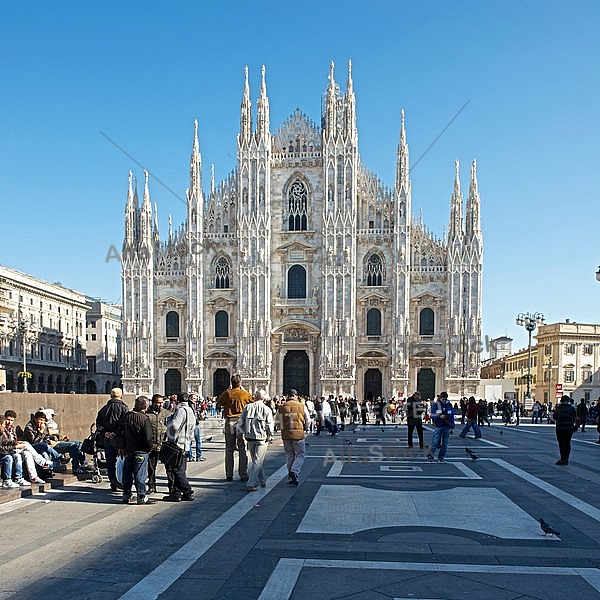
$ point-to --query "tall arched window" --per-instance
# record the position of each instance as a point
(426, 322)
(374, 321)
(222, 273)
(221, 324)
(374, 270)
(297, 207)
(297, 282)
(172, 324)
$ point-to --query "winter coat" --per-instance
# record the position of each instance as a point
(256, 422)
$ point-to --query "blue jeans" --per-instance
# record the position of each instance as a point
(73, 450)
(198, 440)
(46, 448)
(135, 470)
(12, 466)
(471, 423)
(440, 437)
(110, 454)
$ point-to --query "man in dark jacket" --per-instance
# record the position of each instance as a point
(414, 412)
(137, 434)
(564, 417)
(158, 421)
(106, 425)
(582, 413)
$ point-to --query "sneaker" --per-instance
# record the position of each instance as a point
(460, 435)
(251, 488)
(38, 480)
(146, 500)
(126, 499)
(293, 478)
(170, 498)
(429, 458)
(244, 479)
(23, 482)
(441, 460)
(187, 498)
(64, 460)
(201, 459)
(263, 484)
(9, 483)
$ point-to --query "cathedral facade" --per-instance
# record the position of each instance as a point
(302, 270)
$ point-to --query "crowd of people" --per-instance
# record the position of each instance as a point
(136, 437)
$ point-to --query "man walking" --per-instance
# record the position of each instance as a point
(582, 413)
(442, 415)
(415, 409)
(197, 431)
(294, 419)
(106, 424)
(137, 434)
(180, 431)
(158, 421)
(232, 401)
(564, 417)
(256, 425)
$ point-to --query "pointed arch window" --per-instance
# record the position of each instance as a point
(221, 324)
(374, 270)
(222, 270)
(297, 282)
(426, 322)
(374, 321)
(297, 207)
(172, 324)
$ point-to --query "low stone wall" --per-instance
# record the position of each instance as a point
(74, 412)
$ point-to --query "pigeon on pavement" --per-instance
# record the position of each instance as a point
(547, 528)
(208, 439)
(348, 442)
(471, 454)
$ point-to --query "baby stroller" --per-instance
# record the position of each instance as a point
(91, 447)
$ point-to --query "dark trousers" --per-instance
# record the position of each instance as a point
(110, 455)
(564, 442)
(412, 423)
(152, 466)
(178, 482)
(135, 471)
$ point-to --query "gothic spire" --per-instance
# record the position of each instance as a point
(350, 106)
(331, 105)
(246, 112)
(212, 179)
(262, 125)
(196, 166)
(156, 234)
(146, 212)
(130, 209)
(455, 225)
(402, 164)
(473, 218)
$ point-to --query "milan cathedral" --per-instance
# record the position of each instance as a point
(302, 270)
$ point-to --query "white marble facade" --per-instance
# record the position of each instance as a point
(302, 269)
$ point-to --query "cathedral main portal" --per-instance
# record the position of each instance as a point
(373, 384)
(426, 383)
(296, 373)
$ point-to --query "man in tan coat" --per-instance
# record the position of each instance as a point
(293, 419)
(233, 401)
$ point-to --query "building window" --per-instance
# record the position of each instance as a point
(569, 376)
(569, 348)
(374, 270)
(586, 374)
(297, 282)
(91, 364)
(297, 207)
(93, 337)
(222, 273)
(426, 322)
(221, 324)
(172, 324)
(374, 322)
(548, 349)
(588, 349)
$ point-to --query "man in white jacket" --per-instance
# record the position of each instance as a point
(256, 425)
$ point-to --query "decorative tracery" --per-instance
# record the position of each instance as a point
(297, 207)
(374, 270)
(222, 270)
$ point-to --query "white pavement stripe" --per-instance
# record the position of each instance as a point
(285, 575)
(161, 578)
(584, 507)
(486, 441)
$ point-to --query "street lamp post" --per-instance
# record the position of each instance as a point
(530, 322)
(28, 331)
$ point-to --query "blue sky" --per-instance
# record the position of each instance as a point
(141, 72)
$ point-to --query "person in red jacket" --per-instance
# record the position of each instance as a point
(471, 420)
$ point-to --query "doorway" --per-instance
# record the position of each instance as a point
(426, 384)
(221, 381)
(373, 385)
(172, 382)
(296, 372)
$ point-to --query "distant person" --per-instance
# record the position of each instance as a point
(442, 415)
(157, 416)
(415, 409)
(471, 419)
(232, 401)
(293, 418)
(582, 413)
(564, 417)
